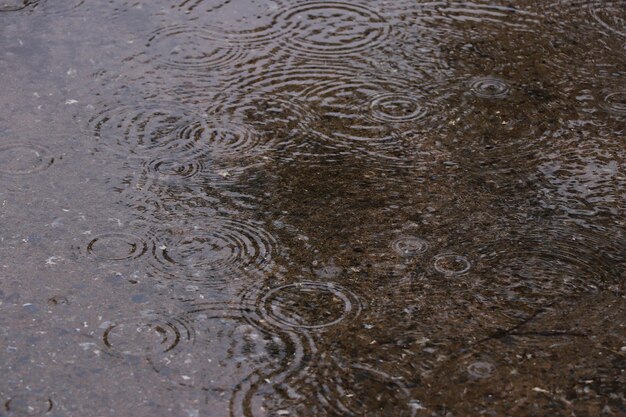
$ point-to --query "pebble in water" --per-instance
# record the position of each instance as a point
(116, 247)
(309, 305)
(451, 264)
(23, 158)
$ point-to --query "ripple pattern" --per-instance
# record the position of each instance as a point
(116, 247)
(23, 158)
(487, 87)
(213, 254)
(191, 48)
(16, 5)
(350, 394)
(308, 305)
(409, 246)
(329, 29)
(541, 268)
(150, 129)
(451, 264)
(29, 405)
(611, 15)
(147, 336)
(397, 108)
(348, 119)
(616, 103)
(481, 370)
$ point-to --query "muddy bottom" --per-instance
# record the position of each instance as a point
(270, 208)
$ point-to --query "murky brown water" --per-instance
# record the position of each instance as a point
(312, 208)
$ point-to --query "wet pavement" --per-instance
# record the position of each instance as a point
(312, 208)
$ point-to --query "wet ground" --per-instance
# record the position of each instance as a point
(312, 208)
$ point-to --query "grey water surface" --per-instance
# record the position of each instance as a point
(312, 208)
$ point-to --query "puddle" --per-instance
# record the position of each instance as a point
(269, 208)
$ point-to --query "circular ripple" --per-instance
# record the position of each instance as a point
(193, 48)
(332, 29)
(272, 119)
(308, 305)
(361, 391)
(174, 168)
(532, 271)
(409, 246)
(230, 139)
(116, 247)
(16, 5)
(611, 15)
(481, 370)
(29, 405)
(397, 108)
(249, 22)
(346, 120)
(616, 102)
(147, 336)
(23, 159)
(451, 264)
(148, 129)
(487, 87)
(214, 254)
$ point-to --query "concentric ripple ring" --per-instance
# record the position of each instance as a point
(23, 158)
(489, 87)
(451, 264)
(145, 336)
(284, 306)
(409, 246)
(116, 247)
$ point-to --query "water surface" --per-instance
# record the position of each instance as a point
(312, 208)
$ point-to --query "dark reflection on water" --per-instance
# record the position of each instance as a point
(312, 208)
